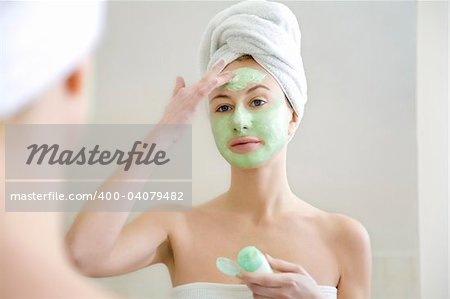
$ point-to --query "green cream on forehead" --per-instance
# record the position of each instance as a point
(244, 77)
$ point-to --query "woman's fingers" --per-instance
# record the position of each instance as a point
(206, 86)
(262, 279)
(211, 81)
(218, 67)
(263, 292)
(185, 100)
(179, 83)
(224, 77)
(273, 285)
(285, 266)
(292, 281)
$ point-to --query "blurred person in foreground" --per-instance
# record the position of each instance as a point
(44, 73)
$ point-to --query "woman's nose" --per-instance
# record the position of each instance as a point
(242, 119)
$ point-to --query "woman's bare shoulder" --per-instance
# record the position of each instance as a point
(348, 228)
(345, 233)
(350, 238)
(339, 225)
(342, 227)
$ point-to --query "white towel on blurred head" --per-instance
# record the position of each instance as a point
(42, 43)
(270, 33)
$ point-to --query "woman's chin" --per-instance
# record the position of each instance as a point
(246, 165)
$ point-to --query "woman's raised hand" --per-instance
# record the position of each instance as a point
(185, 99)
(292, 281)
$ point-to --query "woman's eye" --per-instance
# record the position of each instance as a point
(223, 108)
(258, 102)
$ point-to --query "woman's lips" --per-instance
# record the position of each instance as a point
(244, 145)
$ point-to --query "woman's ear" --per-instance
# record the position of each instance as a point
(75, 84)
(294, 123)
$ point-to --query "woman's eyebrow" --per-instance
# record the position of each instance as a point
(220, 96)
(256, 87)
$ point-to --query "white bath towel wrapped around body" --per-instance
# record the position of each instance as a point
(208, 290)
(269, 32)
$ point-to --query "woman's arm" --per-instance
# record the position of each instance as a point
(355, 259)
(99, 243)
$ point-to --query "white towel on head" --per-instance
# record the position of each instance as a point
(42, 42)
(269, 32)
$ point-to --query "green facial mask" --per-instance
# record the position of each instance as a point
(268, 122)
(244, 76)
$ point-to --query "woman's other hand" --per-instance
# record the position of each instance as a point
(185, 99)
(291, 281)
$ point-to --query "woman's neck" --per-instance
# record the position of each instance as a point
(263, 192)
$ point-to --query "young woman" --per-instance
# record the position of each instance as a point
(314, 254)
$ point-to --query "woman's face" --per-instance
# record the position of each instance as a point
(250, 117)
